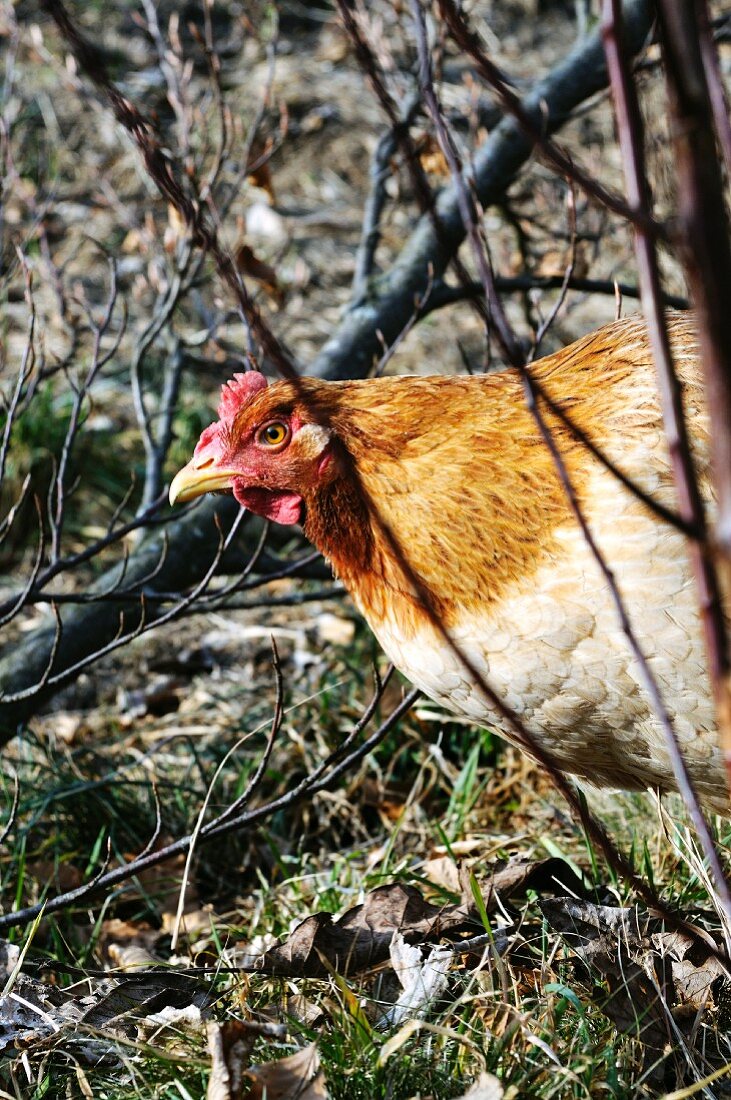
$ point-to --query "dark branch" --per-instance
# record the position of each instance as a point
(349, 353)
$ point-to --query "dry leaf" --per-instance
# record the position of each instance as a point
(145, 995)
(297, 1077)
(34, 1015)
(658, 981)
(695, 970)
(422, 979)
(304, 1010)
(70, 728)
(432, 158)
(116, 936)
(259, 172)
(130, 957)
(188, 1018)
(443, 871)
(361, 937)
(230, 1046)
(249, 264)
(518, 876)
(486, 1087)
(195, 923)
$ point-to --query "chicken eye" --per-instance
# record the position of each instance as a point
(274, 434)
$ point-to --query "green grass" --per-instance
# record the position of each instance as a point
(537, 1028)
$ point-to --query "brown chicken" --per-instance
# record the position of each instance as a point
(455, 470)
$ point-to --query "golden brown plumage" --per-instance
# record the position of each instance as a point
(455, 469)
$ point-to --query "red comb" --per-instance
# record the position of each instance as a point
(238, 392)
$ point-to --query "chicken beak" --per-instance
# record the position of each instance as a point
(200, 476)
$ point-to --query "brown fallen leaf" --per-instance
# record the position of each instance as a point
(305, 1011)
(486, 1087)
(319, 946)
(589, 927)
(518, 876)
(444, 872)
(431, 157)
(130, 957)
(297, 1077)
(195, 923)
(639, 1001)
(170, 1026)
(230, 1046)
(361, 938)
(117, 936)
(32, 1012)
(87, 1015)
(258, 170)
(70, 728)
(144, 995)
(657, 981)
(249, 264)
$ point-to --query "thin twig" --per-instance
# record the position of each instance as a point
(215, 829)
(242, 800)
(690, 502)
(167, 178)
(558, 158)
(714, 79)
(7, 828)
(27, 363)
(380, 171)
(568, 274)
(443, 294)
(496, 314)
(123, 638)
(58, 486)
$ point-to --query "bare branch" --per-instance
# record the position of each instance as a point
(163, 171)
(535, 128)
(443, 294)
(705, 241)
(350, 352)
(690, 502)
(495, 312)
(325, 775)
(568, 274)
(380, 172)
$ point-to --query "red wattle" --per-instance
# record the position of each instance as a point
(279, 505)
